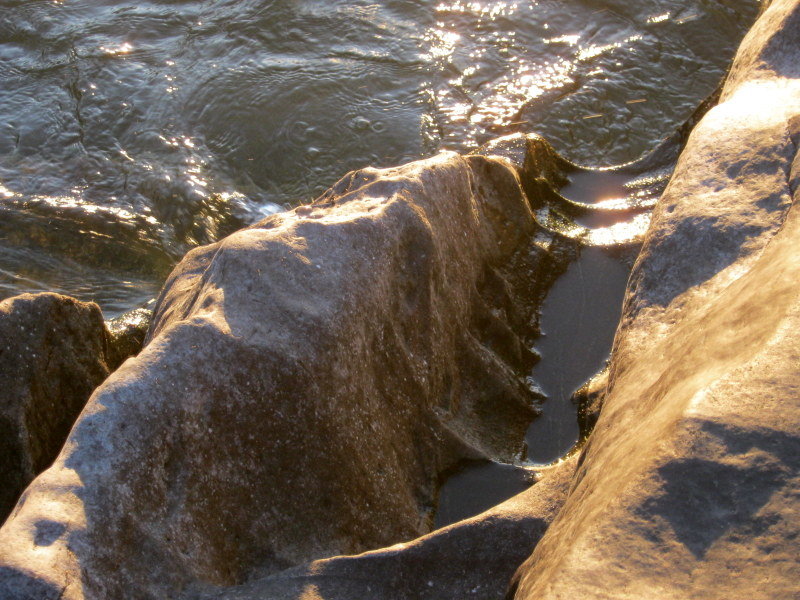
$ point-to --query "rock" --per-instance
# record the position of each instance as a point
(689, 485)
(53, 354)
(304, 384)
(126, 335)
(589, 400)
(542, 169)
(474, 558)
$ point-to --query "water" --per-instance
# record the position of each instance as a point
(478, 487)
(578, 322)
(130, 132)
(579, 319)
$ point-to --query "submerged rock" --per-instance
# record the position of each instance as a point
(53, 354)
(688, 486)
(305, 383)
(126, 335)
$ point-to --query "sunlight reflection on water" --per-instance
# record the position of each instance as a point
(188, 120)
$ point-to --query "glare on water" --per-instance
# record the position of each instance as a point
(130, 132)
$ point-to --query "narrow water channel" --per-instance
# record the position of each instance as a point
(579, 318)
(477, 488)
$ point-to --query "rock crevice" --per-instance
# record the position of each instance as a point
(688, 484)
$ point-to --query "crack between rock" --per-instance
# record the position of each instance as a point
(792, 188)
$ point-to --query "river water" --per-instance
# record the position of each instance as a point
(130, 132)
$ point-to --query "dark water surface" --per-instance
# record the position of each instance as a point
(578, 322)
(130, 132)
(579, 319)
(478, 487)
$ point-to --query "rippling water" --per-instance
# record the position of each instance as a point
(131, 131)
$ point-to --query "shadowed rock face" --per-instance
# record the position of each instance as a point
(53, 354)
(305, 383)
(473, 559)
(688, 487)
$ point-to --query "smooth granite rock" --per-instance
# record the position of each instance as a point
(305, 383)
(53, 354)
(689, 486)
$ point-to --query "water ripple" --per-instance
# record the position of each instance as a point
(131, 132)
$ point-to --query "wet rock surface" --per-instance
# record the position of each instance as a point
(589, 402)
(126, 334)
(305, 383)
(688, 486)
(53, 354)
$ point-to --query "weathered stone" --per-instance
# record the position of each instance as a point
(305, 383)
(53, 354)
(689, 486)
(542, 169)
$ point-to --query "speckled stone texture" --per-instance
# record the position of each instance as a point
(689, 486)
(53, 354)
(305, 383)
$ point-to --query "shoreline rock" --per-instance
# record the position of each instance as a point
(126, 335)
(180, 480)
(53, 354)
(688, 485)
(474, 558)
(304, 384)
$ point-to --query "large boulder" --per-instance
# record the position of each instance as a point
(53, 354)
(689, 486)
(305, 384)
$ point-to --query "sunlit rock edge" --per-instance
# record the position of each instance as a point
(688, 485)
